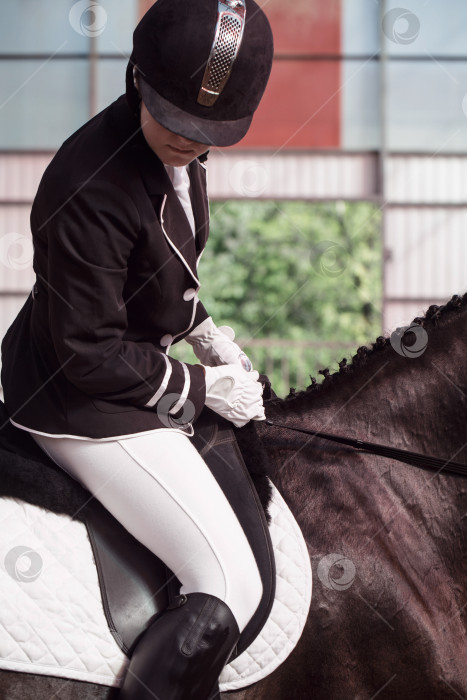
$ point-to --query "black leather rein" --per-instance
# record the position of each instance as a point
(415, 458)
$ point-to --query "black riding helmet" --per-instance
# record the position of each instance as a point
(202, 65)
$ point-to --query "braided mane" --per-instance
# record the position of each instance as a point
(434, 317)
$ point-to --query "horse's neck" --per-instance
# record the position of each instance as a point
(412, 403)
(398, 527)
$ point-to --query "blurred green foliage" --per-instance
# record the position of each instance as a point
(294, 271)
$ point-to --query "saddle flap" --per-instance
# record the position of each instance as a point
(132, 579)
(215, 440)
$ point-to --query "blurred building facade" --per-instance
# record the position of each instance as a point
(367, 101)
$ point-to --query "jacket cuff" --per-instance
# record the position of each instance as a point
(181, 394)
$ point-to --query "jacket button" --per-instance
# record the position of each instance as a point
(189, 294)
(166, 340)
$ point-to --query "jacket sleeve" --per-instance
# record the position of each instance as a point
(90, 241)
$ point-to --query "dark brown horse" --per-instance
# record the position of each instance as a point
(387, 540)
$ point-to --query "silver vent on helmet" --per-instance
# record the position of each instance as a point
(227, 39)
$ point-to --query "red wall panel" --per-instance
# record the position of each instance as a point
(301, 106)
(304, 26)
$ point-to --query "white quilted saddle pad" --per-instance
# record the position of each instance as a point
(51, 617)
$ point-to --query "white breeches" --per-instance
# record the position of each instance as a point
(160, 489)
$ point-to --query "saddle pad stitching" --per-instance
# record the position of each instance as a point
(114, 661)
(39, 631)
(259, 656)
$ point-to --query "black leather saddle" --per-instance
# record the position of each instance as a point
(135, 584)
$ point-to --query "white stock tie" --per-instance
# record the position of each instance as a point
(181, 184)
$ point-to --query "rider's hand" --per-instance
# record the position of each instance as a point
(214, 346)
(234, 394)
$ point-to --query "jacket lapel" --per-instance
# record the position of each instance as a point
(177, 229)
(200, 204)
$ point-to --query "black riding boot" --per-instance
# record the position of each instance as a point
(183, 652)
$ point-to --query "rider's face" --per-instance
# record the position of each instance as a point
(171, 148)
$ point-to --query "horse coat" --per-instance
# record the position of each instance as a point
(116, 265)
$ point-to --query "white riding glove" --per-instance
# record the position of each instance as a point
(214, 346)
(234, 394)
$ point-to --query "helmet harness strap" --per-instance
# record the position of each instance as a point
(225, 47)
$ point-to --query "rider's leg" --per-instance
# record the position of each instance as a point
(163, 492)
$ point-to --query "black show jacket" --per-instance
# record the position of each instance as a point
(115, 261)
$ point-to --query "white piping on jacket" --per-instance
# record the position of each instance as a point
(164, 383)
(184, 395)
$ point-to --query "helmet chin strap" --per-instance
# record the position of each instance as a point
(225, 47)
